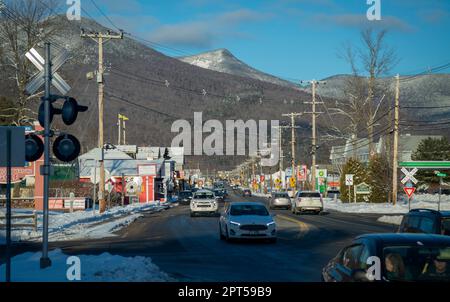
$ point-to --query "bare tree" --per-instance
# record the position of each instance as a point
(23, 25)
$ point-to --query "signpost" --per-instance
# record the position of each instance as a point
(362, 189)
(441, 181)
(12, 154)
(349, 184)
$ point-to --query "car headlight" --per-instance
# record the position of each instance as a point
(235, 223)
(271, 223)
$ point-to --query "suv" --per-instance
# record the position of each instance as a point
(246, 192)
(426, 221)
(184, 197)
(280, 200)
(307, 201)
(204, 202)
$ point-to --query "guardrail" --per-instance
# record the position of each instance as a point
(22, 225)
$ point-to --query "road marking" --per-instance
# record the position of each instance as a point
(304, 227)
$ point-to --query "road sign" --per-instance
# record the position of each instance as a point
(277, 181)
(322, 173)
(262, 178)
(409, 175)
(362, 189)
(349, 179)
(38, 79)
(441, 174)
(292, 182)
(425, 164)
(409, 191)
(302, 173)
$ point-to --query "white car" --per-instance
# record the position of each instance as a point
(204, 202)
(307, 201)
(247, 220)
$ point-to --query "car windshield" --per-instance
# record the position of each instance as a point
(309, 194)
(412, 263)
(281, 195)
(445, 230)
(204, 196)
(246, 209)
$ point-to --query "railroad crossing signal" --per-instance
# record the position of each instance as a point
(38, 79)
(409, 175)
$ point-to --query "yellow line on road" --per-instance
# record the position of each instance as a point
(304, 227)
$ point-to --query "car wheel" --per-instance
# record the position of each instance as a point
(192, 214)
(227, 237)
(222, 237)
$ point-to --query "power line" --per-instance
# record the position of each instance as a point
(104, 15)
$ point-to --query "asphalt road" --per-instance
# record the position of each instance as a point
(189, 249)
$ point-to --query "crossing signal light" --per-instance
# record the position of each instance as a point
(41, 116)
(34, 147)
(66, 148)
(70, 111)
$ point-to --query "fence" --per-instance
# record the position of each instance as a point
(22, 225)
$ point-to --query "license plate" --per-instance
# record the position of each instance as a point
(254, 233)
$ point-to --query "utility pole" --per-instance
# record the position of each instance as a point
(293, 115)
(396, 130)
(119, 123)
(100, 39)
(314, 114)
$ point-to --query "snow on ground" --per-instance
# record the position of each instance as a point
(80, 224)
(427, 201)
(396, 220)
(101, 268)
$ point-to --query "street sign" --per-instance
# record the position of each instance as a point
(292, 182)
(277, 181)
(441, 174)
(362, 189)
(262, 178)
(409, 191)
(425, 164)
(38, 79)
(349, 179)
(17, 146)
(302, 173)
(322, 173)
(409, 175)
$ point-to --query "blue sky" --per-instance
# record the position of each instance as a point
(294, 39)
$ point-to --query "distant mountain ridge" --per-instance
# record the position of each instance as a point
(222, 60)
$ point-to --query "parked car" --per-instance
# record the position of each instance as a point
(307, 201)
(426, 221)
(220, 196)
(280, 200)
(203, 202)
(403, 257)
(333, 194)
(185, 197)
(247, 220)
(246, 192)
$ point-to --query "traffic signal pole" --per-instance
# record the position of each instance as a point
(45, 261)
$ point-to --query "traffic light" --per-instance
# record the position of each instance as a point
(34, 147)
(66, 148)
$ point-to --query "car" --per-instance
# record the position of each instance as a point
(247, 220)
(395, 257)
(220, 196)
(426, 221)
(184, 197)
(335, 194)
(280, 200)
(307, 201)
(246, 192)
(204, 202)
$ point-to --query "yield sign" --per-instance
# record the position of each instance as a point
(409, 191)
(38, 79)
(409, 175)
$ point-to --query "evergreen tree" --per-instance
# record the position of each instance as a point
(378, 173)
(432, 149)
(355, 167)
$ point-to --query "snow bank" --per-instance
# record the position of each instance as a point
(79, 225)
(102, 268)
(426, 201)
(396, 220)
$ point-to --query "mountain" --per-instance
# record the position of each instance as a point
(222, 60)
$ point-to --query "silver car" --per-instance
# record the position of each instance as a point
(280, 200)
(204, 202)
(307, 201)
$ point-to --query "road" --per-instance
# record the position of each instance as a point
(189, 249)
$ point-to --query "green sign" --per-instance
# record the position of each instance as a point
(441, 175)
(362, 189)
(425, 164)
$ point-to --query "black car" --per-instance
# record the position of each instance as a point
(184, 197)
(246, 192)
(219, 195)
(391, 257)
(426, 221)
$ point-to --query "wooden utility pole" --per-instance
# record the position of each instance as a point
(100, 39)
(293, 115)
(119, 123)
(314, 114)
(396, 130)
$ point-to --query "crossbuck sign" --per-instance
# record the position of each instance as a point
(409, 175)
(38, 79)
